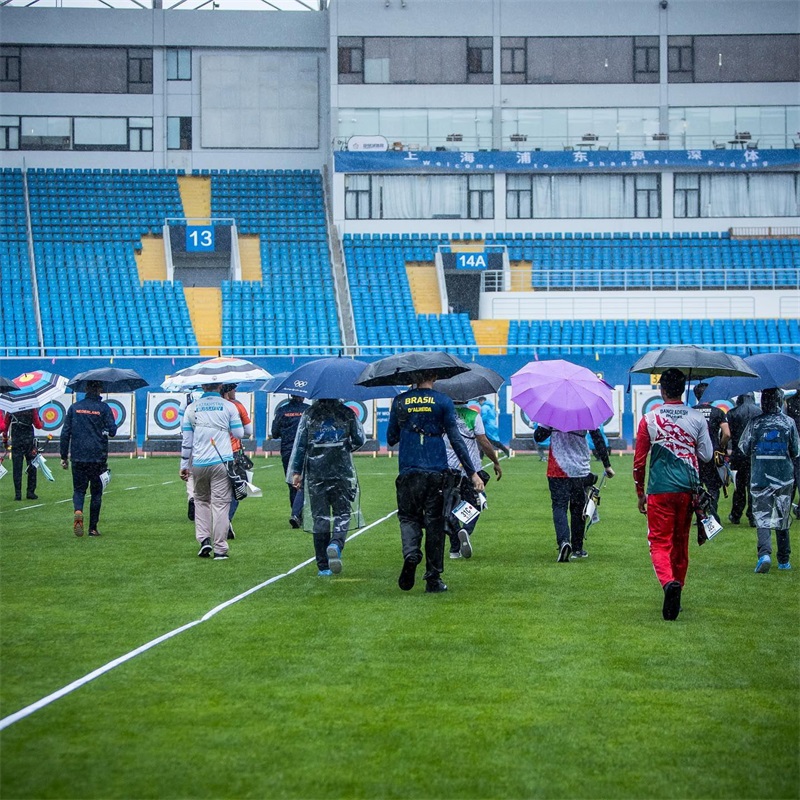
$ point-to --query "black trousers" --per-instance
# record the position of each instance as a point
(420, 504)
(18, 458)
(568, 493)
(295, 495)
(466, 491)
(87, 474)
(709, 477)
(741, 493)
(330, 508)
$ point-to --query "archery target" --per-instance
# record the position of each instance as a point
(54, 414)
(164, 414)
(122, 406)
(522, 425)
(365, 414)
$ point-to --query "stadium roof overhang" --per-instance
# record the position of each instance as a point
(178, 5)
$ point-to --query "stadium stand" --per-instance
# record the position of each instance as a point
(293, 307)
(86, 226)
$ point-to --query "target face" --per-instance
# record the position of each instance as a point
(167, 415)
(52, 416)
(723, 405)
(652, 404)
(359, 409)
(119, 412)
(526, 420)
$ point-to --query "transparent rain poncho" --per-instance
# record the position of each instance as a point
(771, 442)
(328, 433)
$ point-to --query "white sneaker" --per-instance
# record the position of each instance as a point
(455, 554)
(466, 544)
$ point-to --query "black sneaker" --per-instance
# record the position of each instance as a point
(190, 510)
(752, 522)
(435, 586)
(407, 575)
(294, 522)
(672, 600)
(31, 496)
(231, 533)
(579, 554)
(205, 548)
(564, 553)
(220, 556)
(18, 497)
(733, 520)
(94, 532)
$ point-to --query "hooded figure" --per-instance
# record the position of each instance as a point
(771, 443)
(327, 434)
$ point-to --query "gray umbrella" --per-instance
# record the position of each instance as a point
(404, 368)
(7, 385)
(112, 378)
(468, 385)
(696, 362)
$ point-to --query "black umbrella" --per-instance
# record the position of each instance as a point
(113, 380)
(477, 382)
(404, 368)
(696, 362)
(7, 385)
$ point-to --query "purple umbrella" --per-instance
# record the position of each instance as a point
(562, 395)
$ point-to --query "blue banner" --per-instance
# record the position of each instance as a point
(568, 161)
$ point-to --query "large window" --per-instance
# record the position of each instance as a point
(415, 59)
(697, 127)
(46, 133)
(78, 133)
(582, 196)
(179, 64)
(726, 195)
(579, 59)
(179, 133)
(419, 196)
(746, 58)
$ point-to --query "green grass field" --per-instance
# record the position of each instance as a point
(527, 679)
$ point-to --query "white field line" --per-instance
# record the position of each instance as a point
(28, 710)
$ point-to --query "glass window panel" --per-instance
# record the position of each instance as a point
(140, 122)
(9, 120)
(46, 126)
(185, 64)
(173, 133)
(101, 130)
(404, 124)
(172, 65)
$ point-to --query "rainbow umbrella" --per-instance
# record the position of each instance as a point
(34, 389)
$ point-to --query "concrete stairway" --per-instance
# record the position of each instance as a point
(151, 263)
(424, 286)
(205, 310)
(521, 276)
(491, 336)
(195, 195)
(250, 256)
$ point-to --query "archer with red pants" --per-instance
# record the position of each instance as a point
(677, 439)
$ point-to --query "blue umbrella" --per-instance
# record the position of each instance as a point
(331, 378)
(276, 380)
(775, 371)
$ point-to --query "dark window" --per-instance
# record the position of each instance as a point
(479, 60)
(351, 59)
(680, 59)
(179, 64)
(415, 60)
(179, 133)
(46, 133)
(580, 59)
(140, 71)
(648, 204)
(686, 201)
(645, 59)
(9, 133)
(9, 69)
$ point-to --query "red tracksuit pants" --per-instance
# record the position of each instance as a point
(669, 521)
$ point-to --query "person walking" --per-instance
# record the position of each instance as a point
(771, 443)
(207, 427)
(569, 475)
(676, 437)
(321, 459)
(489, 417)
(188, 399)
(720, 433)
(228, 391)
(284, 427)
(738, 418)
(84, 436)
(19, 427)
(417, 422)
(470, 426)
(793, 412)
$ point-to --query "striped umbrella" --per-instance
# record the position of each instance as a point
(215, 370)
(34, 389)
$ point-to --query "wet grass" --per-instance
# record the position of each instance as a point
(527, 679)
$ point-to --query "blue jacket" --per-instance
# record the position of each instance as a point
(87, 427)
(285, 422)
(418, 420)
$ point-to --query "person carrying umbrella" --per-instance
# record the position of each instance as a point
(771, 443)
(84, 436)
(228, 391)
(207, 427)
(321, 458)
(738, 419)
(720, 433)
(418, 420)
(19, 426)
(676, 437)
(284, 427)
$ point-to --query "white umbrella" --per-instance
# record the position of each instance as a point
(215, 370)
